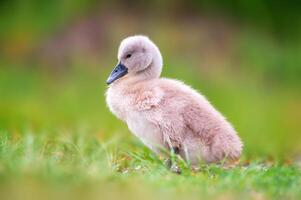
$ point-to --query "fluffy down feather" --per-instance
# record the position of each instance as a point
(166, 113)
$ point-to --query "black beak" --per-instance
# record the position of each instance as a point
(119, 71)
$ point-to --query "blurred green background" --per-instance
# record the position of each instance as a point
(245, 56)
(55, 56)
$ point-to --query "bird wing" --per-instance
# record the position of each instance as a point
(148, 99)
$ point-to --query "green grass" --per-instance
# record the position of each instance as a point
(73, 164)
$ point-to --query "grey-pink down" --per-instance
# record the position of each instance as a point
(166, 113)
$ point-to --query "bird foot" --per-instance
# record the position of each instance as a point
(173, 167)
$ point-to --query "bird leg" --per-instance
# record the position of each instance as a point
(171, 164)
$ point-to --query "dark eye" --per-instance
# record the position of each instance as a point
(128, 55)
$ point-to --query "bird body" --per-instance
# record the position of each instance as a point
(165, 113)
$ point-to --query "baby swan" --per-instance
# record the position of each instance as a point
(164, 113)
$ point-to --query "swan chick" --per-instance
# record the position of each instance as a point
(166, 114)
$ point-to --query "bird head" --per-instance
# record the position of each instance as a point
(139, 57)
